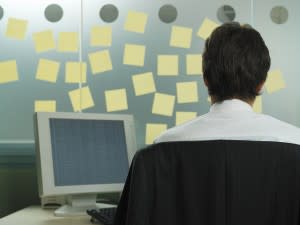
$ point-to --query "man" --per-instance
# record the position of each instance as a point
(235, 66)
(169, 185)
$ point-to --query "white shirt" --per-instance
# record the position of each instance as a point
(233, 120)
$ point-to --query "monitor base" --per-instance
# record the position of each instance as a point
(78, 204)
(68, 211)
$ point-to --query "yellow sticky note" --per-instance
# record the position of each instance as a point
(182, 117)
(68, 42)
(275, 81)
(116, 100)
(101, 36)
(100, 61)
(167, 65)
(43, 41)
(81, 98)
(181, 37)
(163, 104)
(73, 74)
(45, 106)
(136, 22)
(187, 92)
(8, 71)
(47, 70)
(143, 83)
(153, 130)
(134, 55)
(207, 28)
(257, 106)
(16, 28)
(194, 64)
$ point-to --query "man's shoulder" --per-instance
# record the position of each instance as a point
(171, 134)
(274, 122)
(182, 131)
(260, 127)
(286, 131)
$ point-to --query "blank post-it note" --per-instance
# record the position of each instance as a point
(181, 37)
(153, 130)
(187, 92)
(43, 41)
(100, 61)
(81, 99)
(116, 100)
(167, 65)
(194, 64)
(136, 22)
(75, 72)
(47, 70)
(163, 104)
(257, 106)
(101, 36)
(143, 83)
(275, 81)
(134, 55)
(207, 28)
(182, 117)
(68, 42)
(45, 106)
(16, 28)
(8, 71)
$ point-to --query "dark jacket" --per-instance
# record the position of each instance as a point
(219, 182)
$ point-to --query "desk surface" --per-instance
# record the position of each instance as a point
(35, 215)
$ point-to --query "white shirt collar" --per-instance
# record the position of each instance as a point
(230, 106)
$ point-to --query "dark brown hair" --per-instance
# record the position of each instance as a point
(235, 62)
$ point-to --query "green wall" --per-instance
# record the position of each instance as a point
(18, 182)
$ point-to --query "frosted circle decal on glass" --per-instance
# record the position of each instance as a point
(1, 12)
(226, 14)
(109, 13)
(53, 13)
(167, 13)
(279, 14)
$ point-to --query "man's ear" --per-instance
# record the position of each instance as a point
(205, 82)
(260, 87)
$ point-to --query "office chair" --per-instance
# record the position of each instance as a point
(219, 182)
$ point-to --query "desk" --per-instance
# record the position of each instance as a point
(35, 215)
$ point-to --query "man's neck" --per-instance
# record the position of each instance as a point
(250, 102)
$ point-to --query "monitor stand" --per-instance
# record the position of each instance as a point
(78, 204)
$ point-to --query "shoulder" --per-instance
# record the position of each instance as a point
(286, 132)
(256, 126)
(274, 122)
(171, 134)
(180, 132)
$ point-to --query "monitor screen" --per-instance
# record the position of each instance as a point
(88, 151)
(79, 154)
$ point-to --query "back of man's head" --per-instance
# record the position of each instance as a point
(235, 62)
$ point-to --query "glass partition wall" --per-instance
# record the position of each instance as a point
(131, 57)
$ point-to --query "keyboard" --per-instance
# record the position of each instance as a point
(104, 215)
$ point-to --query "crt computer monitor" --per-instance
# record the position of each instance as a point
(82, 154)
